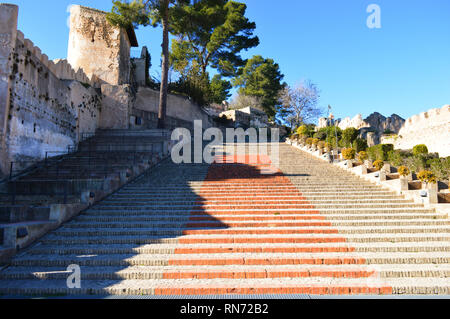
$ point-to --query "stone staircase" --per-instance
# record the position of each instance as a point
(228, 228)
(55, 190)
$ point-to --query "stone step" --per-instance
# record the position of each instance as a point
(247, 224)
(315, 230)
(246, 239)
(207, 201)
(362, 258)
(223, 229)
(136, 211)
(194, 197)
(98, 249)
(237, 272)
(255, 207)
(190, 217)
(311, 286)
(320, 192)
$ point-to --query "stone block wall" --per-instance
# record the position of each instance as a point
(178, 107)
(431, 128)
(44, 105)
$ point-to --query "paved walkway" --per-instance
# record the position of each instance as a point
(229, 228)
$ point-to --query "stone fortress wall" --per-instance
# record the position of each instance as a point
(48, 105)
(431, 128)
(44, 105)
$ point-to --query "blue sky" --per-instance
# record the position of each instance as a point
(402, 68)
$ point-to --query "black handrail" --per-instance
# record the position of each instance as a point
(137, 151)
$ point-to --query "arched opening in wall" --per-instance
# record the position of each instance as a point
(34, 128)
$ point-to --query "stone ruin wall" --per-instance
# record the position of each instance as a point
(45, 107)
(431, 128)
(49, 108)
(98, 48)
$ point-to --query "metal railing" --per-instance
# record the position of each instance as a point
(58, 168)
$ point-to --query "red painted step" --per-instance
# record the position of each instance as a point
(264, 201)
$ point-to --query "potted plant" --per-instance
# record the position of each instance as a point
(349, 155)
(405, 177)
(428, 179)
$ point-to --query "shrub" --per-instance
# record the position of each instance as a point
(328, 147)
(321, 135)
(420, 149)
(348, 153)
(380, 152)
(395, 158)
(349, 135)
(328, 134)
(321, 145)
(441, 168)
(332, 142)
(378, 165)
(360, 145)
(416, 163)
(427, 177)
(315, 141)
(309, 141)
(404, 171)
(303, 130)
(362, 156)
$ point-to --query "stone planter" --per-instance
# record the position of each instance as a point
(362, 169)
(349, 163)
(403, 183)
(431, 191)
(382, 175)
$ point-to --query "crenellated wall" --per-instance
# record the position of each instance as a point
(431, 128)
(47, 105)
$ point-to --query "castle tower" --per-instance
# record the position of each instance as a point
(97, 47)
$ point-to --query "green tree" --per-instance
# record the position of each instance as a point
(262, 78)
(349, 135)
(211, 33)
(145, 12)
(219, 89)
(360, 145)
